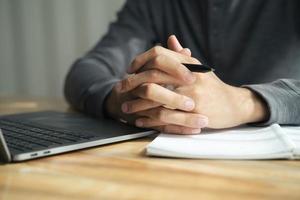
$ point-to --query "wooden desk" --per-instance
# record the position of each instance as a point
(122, 171)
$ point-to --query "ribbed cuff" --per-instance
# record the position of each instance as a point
(280, 100)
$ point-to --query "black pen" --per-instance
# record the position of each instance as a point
(198, 68)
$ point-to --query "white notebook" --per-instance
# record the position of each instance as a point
(273, 142)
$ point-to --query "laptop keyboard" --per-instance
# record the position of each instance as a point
(21, 137)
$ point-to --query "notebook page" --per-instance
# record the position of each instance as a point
(240, 143)
(293, 133)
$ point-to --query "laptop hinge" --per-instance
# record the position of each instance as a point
(4, 151)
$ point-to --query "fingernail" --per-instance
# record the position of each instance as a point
(139, 123)
(124, 107)
(201, 122)
(189, 105)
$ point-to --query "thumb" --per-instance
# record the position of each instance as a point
(174, 45)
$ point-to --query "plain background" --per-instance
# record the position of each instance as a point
(40, 39)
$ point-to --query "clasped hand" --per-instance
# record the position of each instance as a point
(199, 99)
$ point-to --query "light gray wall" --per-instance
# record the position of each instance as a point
(39, 40)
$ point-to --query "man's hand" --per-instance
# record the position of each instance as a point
(224, 105)
(144, 92)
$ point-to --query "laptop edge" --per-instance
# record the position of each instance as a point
(6, 157)
(4, 151)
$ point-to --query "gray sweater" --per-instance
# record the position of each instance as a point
(255, 44)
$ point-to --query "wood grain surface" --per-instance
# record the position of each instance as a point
(122, 171)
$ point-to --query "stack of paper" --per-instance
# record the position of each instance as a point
(271, 142)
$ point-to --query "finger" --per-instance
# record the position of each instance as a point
(170, 66)
(150, 76)
(157, 93)
(175, 129)
(176, 117)
(138, 105)
(143, 58)
(173, 44)
(148, 122)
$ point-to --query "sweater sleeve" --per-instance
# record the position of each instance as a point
(283, 100)
(92, 77)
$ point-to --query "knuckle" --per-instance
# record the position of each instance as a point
(136, 62)
(127, 83)
(148, 89)
(157, 61)
(154, 75)
(157, 50)
(161, 114)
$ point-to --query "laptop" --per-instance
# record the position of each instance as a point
(33, 135)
